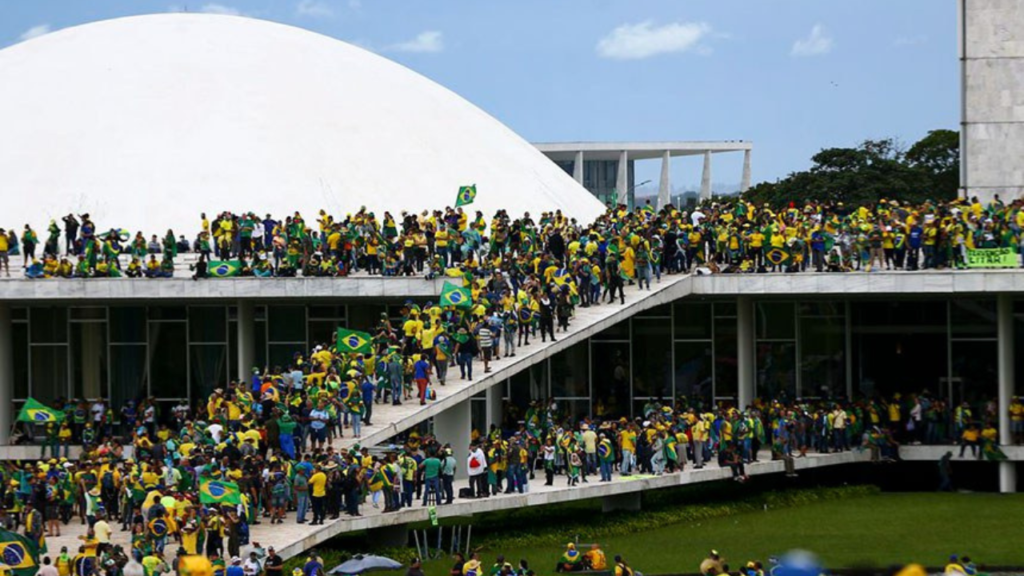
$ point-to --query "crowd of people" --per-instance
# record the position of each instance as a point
(727, 235)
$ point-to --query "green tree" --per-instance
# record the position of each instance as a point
(873, 170)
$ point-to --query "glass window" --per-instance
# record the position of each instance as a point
(618, 331)
(21, 361)
(693, 320)
(975, 367)
(726, 371)
(823, 357)
(207, 324)
(233, 353)
(776, 370)
(128, 324)
(775, 320)
(530, 385)
(167, 312)
(89, 360)
(575, 409)
(168, 369)
(900, 313)
(569, 372)
(327, 312)
(723, 309)
(287, 323)
(693, 364)
(365, 316)
(658, 311)
(128, 379)
(321, 331)
(89, 313)
(652, 358)
(610, 378)
(283, 355)
(19, 313)
(969, 318)
(823, 308)
(49, 373)
(261, 344)
(478, 415)
(208, 363)
(49, 325)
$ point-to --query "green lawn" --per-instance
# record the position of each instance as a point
(867, 531)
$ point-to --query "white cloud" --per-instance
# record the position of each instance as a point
(314, 9)
(817, 43)
(220, 9)
(910, 40)
(643, 40)
(428, 41)
(35, 32)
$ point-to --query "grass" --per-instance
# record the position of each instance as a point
(875, 530)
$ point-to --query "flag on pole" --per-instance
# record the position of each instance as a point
(219, 492)
(452, 295)
(466, 195)
(18, 553)
(38, 413)
(352, 342)
(224, 269)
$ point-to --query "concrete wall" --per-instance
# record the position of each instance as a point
(992, 65)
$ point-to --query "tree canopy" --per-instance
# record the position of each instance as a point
(929, 169)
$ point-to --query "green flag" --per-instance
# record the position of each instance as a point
(37, 413)
(466, 195)
(19, 553)
(224, 269)
(351, 341)
(219, 492)
(452, 295)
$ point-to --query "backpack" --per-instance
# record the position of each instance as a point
(280, 490)
(107, 481)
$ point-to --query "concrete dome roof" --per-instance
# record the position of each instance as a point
(144, 122)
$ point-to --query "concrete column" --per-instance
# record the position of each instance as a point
(745, 183)
(664, 186)
(705, 179)
(577, 167)
(453, 427)
(622, 181)
(745, 350)
(495, 409)
(6, 372)
(630, 502)
(246, 341)
(1004, 311)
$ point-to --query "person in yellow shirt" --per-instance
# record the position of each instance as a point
(318, 495)
(1017, 420)
(596, 559)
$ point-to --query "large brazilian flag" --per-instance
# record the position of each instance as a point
(223, 268)
(466, 195)
(353, 342)
(219, 492)
(777, 256)
(19, 553)
(38, 413)
(452, 295)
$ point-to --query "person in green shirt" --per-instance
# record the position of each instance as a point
(431, 478)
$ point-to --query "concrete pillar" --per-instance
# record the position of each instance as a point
(622, 181)
(577, 167)
(246, 341)
(495, 408)
(6, 372)
(1004, 312)
(664, 186)
(453, 427)
(745, 183)
(745, 350)
(705, 179)
(630, 502)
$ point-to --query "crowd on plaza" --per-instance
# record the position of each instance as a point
(727, 235)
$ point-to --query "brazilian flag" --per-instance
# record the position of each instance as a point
(38, 413)
(224, 269)
(452, 295)
(158, 527)
(219, 492)
(352, 342)
(777, 256)
(19, 553)
(466, 195)
(525, 315)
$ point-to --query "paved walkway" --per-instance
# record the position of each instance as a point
(291, 539)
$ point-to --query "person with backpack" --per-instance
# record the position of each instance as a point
(280, 494)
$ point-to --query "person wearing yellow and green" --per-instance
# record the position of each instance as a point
(571, 560)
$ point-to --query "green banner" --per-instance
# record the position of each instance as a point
(992, 258)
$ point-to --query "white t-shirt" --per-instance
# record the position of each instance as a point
(215, 430)
(97, 411)
(477, 462)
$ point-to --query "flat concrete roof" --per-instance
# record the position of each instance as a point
(638, 150)
(109, 290)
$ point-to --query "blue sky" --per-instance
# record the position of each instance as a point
(792, 75)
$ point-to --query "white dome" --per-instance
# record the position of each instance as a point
(144, 122)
